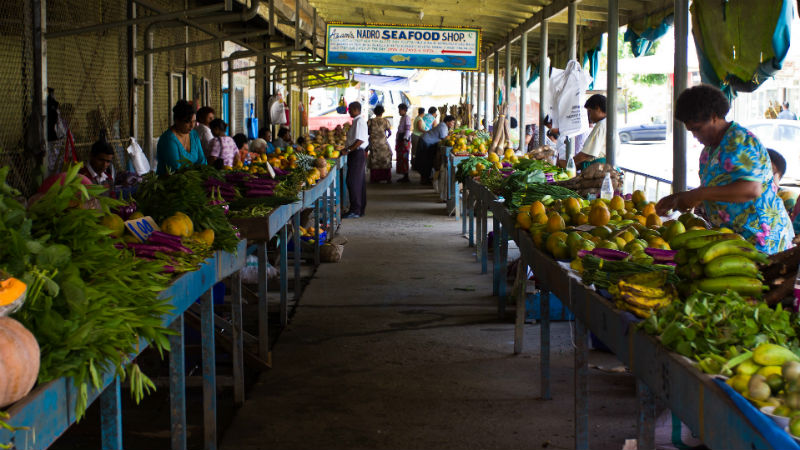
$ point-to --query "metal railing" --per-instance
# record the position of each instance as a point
(654, 188)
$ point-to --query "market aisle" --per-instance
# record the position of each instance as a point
(398, 347)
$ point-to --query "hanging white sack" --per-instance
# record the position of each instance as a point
(567, 88)
(138, 158)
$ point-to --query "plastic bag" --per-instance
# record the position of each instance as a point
(566, 93)
(137, 157)
(249, 272)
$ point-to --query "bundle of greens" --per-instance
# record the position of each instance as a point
(521, 180)
(88, 304)
(493, 179)
(713, 328)
(183, 191)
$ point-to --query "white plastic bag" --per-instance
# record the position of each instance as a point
(277, 110)
(566, 92)
(138, 158)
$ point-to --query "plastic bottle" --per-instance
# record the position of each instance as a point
(607, 189)
(571, 168)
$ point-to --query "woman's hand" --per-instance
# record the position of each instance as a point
(681, 201)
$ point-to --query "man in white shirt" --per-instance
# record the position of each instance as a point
(595, 145)
(204, 117)
(785, 113)
(354, 148)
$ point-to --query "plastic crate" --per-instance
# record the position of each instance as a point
(557, 310)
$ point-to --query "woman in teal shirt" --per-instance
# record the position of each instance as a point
(737, 189)
(180, 144)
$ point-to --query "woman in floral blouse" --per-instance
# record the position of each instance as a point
(737, 189)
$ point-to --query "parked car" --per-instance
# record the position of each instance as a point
(784, 137)
(644, 132)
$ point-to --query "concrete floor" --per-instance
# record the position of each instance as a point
(398, 346)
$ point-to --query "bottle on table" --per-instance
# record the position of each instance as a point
(607, 189)
(571, 168)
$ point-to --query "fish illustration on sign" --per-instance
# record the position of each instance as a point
(437, 60)
(342, 56)
(457, 60)
(400, 58)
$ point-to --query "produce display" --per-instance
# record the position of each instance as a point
(466, 142)
(705, 293)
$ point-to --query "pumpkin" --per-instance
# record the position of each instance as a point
(19, 361)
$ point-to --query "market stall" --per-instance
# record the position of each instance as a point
(706, 388)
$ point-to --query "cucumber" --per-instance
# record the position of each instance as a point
(732, 247)
(700, 242)
(679, 241)
(742, 285)
(729, 265)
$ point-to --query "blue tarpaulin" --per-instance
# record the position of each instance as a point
(642, 34)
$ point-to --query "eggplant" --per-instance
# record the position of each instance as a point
(609, 254)
(660, 255)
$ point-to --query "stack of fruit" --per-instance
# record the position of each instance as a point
(717, 261)
(466, 142)
(643, 293)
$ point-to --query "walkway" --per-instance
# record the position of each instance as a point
(398, 346)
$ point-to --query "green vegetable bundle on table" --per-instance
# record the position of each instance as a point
(88, 304)
(715, 328)
(716, 262)
(183, 192)
(468, 168)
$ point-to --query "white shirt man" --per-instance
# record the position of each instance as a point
(358, 132)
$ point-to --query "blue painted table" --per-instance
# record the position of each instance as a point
(50, 408)
(453, 186)
(690, 394)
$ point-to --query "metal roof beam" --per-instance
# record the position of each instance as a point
(546, 12)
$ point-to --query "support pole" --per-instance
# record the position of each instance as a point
(681, 73)
(473, 93)
(523, 81)
(480, 102)
(544, 79)
(507, 97)
(40, 72)
(572, 25)
(177, 386)
(496, 84)
(111, 417)
(233, 127)
(463, 100)
(148, 97)
(486, 94)
(611, 103)
(209, 371)
(133, 111)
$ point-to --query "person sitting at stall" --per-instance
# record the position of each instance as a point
(284, 139)
(100, 167)
(204, 117)
(737, 189)
(180, 144)
(426, 155)
(301, 142)
(222, 150)
(266, 134)
(243, 145)
(594, 147)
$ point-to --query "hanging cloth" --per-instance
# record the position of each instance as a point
(643, 33)
(592, 56)
(740, 45)
(534, 76)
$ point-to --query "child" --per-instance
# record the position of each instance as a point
(222, 149)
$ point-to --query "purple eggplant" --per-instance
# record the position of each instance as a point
(609, 254)
(660, 255)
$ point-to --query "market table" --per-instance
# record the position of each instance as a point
(453, 186)
(693, 396)
(49, 409)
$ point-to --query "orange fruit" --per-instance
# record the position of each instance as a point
(580, 219)
(653, 220)
(537, 207)
(617, 203)
(638, 197)
(555, 223)
(599, 215)
(524, 220)
(649, 209)
(540, 218)
(572, 206)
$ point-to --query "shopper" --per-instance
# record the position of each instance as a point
(242, 144)
(402, 143)
(204, 117)
(222, 150)
(785, 113)
(284, 139)
(180, 144)
(354, 148)
(266, 134)
(379, 161)
(736, 180)
(429, 145)
(100, 167)
(419, 128)
(430, 118)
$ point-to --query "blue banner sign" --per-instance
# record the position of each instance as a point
(402, 46)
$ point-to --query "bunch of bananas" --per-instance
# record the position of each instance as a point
(643, 293)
